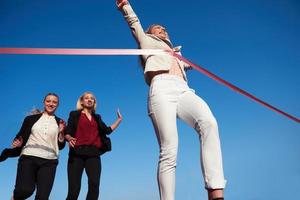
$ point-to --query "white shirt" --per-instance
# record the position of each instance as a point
(42, 141)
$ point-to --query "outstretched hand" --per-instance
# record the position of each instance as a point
(118, 121)
(121, 3)
(17, 142)
(120, 117)
(71, 140)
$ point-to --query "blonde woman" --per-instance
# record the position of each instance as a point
(87, 137)
(171, 97)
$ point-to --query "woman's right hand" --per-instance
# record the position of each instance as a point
(71, 140)
(121, 3)
(17, 142)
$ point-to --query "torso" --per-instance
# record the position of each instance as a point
(42, 141)
(174, 70)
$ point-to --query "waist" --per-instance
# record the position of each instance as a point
(163, 74)
(167, 76)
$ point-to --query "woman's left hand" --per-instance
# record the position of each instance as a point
(120, 117)
(121, 3)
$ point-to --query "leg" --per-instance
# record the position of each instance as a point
(75, 169)
(93, 171)
(195, 112)
(25, 181)
(45, 179)
(215, 194)
(163, 116)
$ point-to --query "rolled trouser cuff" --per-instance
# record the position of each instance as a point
(215, 184)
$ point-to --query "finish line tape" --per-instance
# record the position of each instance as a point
(64, 51)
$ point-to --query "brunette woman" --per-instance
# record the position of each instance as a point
(38, 143)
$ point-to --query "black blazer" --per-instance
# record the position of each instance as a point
(25, 132)
(103, 130)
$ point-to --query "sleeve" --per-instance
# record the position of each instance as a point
(70, 129)
(133, 22)
(22, 131)
(61, 145)
(103, 127)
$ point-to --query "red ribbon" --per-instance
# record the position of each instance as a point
(61, 51)
(235, 88)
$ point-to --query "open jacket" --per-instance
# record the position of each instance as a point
(25, 132)
(149, 41)
(103, 130)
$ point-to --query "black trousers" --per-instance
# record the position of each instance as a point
(92, 166)
(34, 172)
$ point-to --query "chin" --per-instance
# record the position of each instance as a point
(164, 38)
(50, 111)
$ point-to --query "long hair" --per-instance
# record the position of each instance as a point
(149, 29)
(80, 99)
(35, 111)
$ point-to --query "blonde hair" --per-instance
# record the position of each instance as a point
(80, 99)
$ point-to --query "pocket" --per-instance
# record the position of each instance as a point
(151, 90)
(157, 87)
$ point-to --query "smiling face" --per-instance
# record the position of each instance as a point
(159, 31)
(88, 101)
(50, 104)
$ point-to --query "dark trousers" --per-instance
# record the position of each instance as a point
(92, 166)
(34, 172)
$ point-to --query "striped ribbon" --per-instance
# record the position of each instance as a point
(64, 51)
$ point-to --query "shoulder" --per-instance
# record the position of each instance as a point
(97, 116)
(57, 119)
(33, 117)
(74, 113)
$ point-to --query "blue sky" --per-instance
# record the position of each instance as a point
(252, 44)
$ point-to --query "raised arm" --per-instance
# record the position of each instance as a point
(109, 129)
(132, 20)
(118, 121)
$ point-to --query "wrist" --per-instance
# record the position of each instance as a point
(121, 4)
(61, 139)
(67, 137)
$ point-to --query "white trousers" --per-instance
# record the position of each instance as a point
(170, 97)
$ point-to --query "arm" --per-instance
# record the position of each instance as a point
(107, 130)
(69, 131)
(18, 140)
(61, 135)
(117, 122)
(132, 20)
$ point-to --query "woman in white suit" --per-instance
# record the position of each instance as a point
(170, 97)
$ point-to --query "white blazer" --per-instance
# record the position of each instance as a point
(149, 41)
